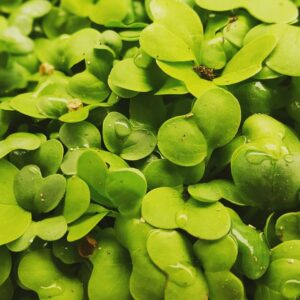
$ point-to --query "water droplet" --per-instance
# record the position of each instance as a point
(52, 290)
(181, 219)
(183, 274)
(291, 261)
(256, 158)
(122, 129)
(288, 158)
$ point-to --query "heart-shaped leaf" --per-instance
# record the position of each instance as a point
(37, 194)
(122, 138)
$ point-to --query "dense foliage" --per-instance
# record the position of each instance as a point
(149, 150)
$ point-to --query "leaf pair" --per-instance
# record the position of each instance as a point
(38, 272)
(188, 140)
(126, 140)
(217, 258)
(166, 208)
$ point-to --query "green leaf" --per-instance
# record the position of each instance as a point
(19, 141)
(219, 126)
(169, 40)
(286, 50)
(253, 252)
(160, 43)
(185, 73)
(165, 208)
(148, 110)
(140, 79)
(104, 12)
(48, 157)
(93, 170)
(26, 104)
(38, 194)
(35, 8)
(38, 272)
(15, 220)
(6, 264)
(248, 61)
(287, 226)
(171, 252)
(129, 142)
(80, 8)
(13, 41)
(182, 142)
(126, 188)
(111, 266)
(49, 229)
(278, 11)
(225, 285)
(78, 135)
(82, 226)
(88, 88)
(215, 190)
(217, 255)
(77, 199)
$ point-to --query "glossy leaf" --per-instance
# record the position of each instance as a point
(191, 216)
(111, 268)
(38, 272)
(248, 61)
(77, 199)
(182, 142)
(82, 134)
(19, 141)
(35, 193)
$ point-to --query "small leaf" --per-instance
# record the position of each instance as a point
(82, 226)
(77, 199)
(19, 141)
(126, 188)
(248, 61)
(78, 135)
(182, 142)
